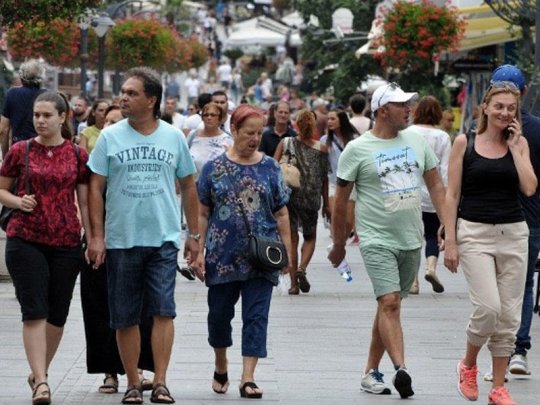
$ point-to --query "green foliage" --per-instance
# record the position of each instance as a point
(348, 71)
(13, 11)
(233, 54)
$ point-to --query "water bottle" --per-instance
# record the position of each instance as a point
(343, 269)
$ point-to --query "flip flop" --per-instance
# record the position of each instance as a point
(109, 387)
(161, 390)
(302, 280)
(251, 395)
(187, 272)
(222, 379)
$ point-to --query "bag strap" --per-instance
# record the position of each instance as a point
(335, 142)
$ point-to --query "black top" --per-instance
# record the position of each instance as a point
(490, 190)
(18, 108)
(270, 140)
(531, 131)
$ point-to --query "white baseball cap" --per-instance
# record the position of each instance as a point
(389, 93)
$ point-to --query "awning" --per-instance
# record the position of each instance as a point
(484, 28)
(261, 31)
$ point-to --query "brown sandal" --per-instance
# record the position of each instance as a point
(161, 395)
(110, 384)
(43, 397)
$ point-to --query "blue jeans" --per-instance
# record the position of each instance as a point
(523, 338)
(256, 295)
(139, 273)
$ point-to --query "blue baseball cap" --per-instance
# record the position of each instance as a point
(509, 73)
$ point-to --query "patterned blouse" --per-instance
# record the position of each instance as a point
(54, 172)
(262, 191)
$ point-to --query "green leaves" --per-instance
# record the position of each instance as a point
(14, 11)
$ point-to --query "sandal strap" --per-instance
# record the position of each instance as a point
(160, 389)
(221, 378)
(46, 392)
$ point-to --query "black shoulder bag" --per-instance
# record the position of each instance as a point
(263, 253)
(6, 212)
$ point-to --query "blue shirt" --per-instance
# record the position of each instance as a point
(141, 204)
(531, 131)
(263, 192)
(18, 108)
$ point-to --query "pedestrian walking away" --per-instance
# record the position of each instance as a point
(387, 166)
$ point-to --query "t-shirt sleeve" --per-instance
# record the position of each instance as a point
(203, 185)
(13, 161)
(6, 111)
(348, 164)
(185, 161)
(98, 161)
(83, 174)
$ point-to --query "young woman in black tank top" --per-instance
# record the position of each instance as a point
(486, 232)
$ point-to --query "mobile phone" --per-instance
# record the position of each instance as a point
(506, 132)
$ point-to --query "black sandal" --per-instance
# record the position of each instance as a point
(251, 395)
(133, 395)
(187, 272)
(44, 397)
(161, 390)
(302, 280)
(110, 385)
(221, 379)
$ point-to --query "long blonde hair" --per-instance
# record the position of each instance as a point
(493, 90)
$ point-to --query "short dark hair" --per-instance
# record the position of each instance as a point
(151, 84)
(357, 103)
(203, 99)
(220, 93)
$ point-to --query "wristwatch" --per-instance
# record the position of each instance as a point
(194, 236)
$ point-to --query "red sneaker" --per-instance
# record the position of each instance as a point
(500, 396)
(467, 385)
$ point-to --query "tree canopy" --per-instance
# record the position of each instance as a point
(14, 11)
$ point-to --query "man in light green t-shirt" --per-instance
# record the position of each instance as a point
(387, 166)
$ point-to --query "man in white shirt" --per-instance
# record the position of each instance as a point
(170, 108)
(193, 86)
(224, 74)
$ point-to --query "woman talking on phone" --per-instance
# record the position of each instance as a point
(486, 233)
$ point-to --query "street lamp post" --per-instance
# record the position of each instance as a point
(101, 25)
(83, 22)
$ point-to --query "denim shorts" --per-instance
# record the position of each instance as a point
(139, 273)
(391, 270)
(44, 278)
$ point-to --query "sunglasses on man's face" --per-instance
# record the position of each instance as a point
(392, 85)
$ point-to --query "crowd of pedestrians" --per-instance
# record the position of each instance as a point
(96, 190)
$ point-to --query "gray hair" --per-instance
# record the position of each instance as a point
(31, 73)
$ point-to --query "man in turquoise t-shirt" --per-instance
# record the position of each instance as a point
(139, 159)
(387, 166)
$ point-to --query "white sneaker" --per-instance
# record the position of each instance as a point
(489, 376)
(518, 365)
(373, 383)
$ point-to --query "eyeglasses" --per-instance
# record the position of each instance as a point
(210, 115)
(392, 85)
(501, 84)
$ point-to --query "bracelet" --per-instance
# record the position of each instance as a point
(194, 236)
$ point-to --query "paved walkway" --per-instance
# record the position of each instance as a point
(317, 347)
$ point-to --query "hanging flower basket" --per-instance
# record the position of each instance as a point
(414, 34)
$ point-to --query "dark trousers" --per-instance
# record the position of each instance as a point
(256, 294)
(431, 226)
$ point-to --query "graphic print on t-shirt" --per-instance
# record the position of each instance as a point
(398, 173)
(144, 166)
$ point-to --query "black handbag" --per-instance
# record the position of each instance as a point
(6, 212)
(263, 253)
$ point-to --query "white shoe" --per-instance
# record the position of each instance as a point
(373, 383)
(518, 365)
(489, 376)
